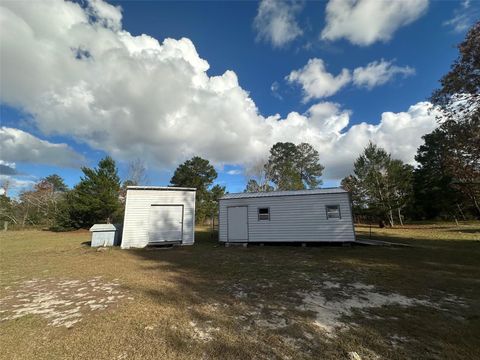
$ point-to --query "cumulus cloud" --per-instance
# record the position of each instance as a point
(316, 81)
(276, 21)
(19, 146)
(364, 22)
(133, 96)
(378, 73)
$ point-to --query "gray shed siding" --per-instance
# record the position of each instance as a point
(137, 207)
(293, 218)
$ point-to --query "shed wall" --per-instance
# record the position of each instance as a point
(137, 207)
(294, 218)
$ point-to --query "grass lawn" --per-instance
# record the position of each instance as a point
(59, 298)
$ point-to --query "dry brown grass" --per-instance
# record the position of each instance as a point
(207, 301)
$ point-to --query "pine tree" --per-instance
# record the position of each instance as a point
(200, 174)
(96, 197)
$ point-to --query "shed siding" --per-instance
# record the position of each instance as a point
(293, 218)
(137, 207)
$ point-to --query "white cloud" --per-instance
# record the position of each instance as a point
(19, 146)
(132, 96)
(378, 73)
(316, 81)
(275, 90)
(464, 16)
(276, 21)
(325, 125)
(398, 133)
(364, 22)
(234, 172)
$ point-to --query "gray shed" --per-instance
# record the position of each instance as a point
(317, 215)
(103, 235)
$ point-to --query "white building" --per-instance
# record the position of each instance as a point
(319, 215)
(158, 215)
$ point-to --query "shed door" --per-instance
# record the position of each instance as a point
(237, 223)
(165, 223)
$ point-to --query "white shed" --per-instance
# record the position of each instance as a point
(103, 235)
(158, 215)
(318, 215)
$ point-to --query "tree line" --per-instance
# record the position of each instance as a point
(445, 184)
(100, 195)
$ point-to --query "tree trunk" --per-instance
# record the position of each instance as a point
(390, 217)
(477, 206)
(212, 222)
(461, 212)
(400, 216)
(25, 216)
(456, 221)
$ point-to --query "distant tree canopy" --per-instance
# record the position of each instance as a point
(38, 206)
(137, 173)
(57, 183)
(257, 174)
(210, 207)
(289, 167)
(7, 210)
(253, 186)
(294, 167)
(197, 173)
(200, 174)
(380, 186)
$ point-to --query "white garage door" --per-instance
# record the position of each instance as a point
(237, 223)
(165, 223)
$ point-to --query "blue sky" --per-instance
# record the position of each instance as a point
(233, 37)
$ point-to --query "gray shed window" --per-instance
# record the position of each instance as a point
(264, 213)
(333, 211)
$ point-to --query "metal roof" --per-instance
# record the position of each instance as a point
(103, 227)
(283, 193)
(160, 188)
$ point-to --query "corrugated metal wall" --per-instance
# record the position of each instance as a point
(293, 218)
(137, 208)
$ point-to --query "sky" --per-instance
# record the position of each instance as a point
(164, 81)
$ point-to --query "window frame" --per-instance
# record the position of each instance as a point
(258, 213)
(330, 206)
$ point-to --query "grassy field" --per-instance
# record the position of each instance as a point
(59, 298)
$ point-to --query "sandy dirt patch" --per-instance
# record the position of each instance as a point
(203, 332)
(347, 298)
(62, 302)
